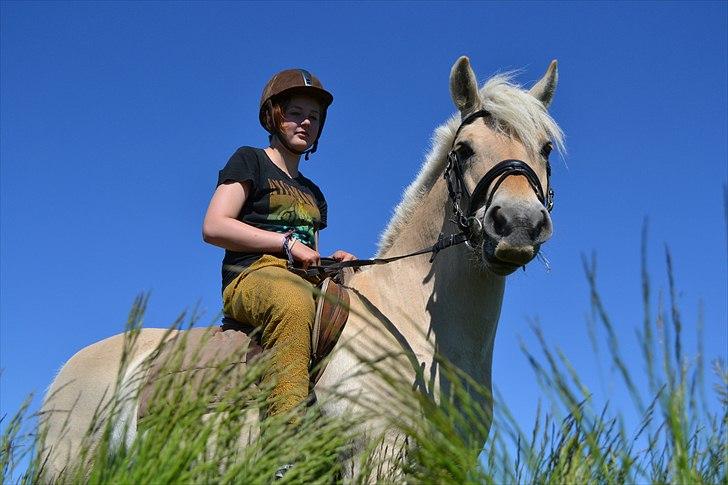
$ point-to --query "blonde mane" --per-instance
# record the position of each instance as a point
(514, 111)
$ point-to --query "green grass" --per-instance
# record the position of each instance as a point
(680, 438)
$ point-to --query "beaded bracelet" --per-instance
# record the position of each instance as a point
(287, 248)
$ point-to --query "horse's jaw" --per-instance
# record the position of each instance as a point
(502, 258)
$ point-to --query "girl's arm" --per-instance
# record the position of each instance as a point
(222, 229)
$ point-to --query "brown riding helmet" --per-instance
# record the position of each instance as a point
(292, 82)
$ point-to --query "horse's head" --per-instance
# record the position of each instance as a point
(498, 170)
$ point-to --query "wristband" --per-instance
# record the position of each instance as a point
(287, 249)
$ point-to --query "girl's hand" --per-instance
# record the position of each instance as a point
(343, 256)
(304, 254)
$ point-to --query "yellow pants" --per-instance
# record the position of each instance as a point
(281, 304)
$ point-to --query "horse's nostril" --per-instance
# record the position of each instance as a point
(535, 233)
(500, 222)
(543, 229)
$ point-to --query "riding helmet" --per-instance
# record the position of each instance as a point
(292, 82)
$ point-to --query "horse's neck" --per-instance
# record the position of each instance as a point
(450, 303)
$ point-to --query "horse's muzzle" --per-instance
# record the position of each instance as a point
(505, 260)
(513, 234)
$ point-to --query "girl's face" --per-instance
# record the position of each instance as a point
(301, 121)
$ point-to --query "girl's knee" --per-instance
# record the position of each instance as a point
(273, 297)
(286, 290)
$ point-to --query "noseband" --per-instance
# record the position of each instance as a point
(456, 187)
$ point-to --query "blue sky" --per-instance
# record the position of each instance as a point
(116, 117)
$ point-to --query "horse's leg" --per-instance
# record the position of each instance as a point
(375, 449)
(375, 454)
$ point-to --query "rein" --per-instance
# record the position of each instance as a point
(468, 224)
(330, 267)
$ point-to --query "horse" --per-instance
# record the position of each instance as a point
(485, 183)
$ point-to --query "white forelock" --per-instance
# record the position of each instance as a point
(514, 112)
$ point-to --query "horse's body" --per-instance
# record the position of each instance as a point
(416, 309)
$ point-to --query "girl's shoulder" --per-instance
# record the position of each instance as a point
(250, 158)
(248, 153)
(243, 165)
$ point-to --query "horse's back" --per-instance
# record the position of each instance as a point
(83, 387)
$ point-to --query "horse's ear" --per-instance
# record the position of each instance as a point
(464, 87)
(544, 89)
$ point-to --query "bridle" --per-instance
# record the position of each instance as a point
(469, 225)
(466, 220)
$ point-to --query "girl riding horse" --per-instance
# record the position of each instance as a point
(265, 213)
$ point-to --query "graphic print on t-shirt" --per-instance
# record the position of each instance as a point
(293, 209)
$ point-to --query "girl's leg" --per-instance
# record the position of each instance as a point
(281, 304)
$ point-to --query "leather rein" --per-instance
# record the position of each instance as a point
(466, 221)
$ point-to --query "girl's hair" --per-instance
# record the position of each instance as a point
(277, 114)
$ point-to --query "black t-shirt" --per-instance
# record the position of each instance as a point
(276, 203)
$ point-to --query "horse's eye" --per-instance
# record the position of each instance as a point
(546, 150)
(465, 151)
